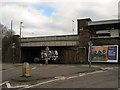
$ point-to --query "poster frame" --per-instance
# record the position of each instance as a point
(111, 61)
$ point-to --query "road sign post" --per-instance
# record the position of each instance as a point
(90, 45)
(13, 47)
(46, 58)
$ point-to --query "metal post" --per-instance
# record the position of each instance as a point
(11, 26)
(77, 55)
(20, 41)
(1, 28)
(47, 50)
(13, 55)
(90, 45)
(90, 57)
(46, 61)
(73, 26)
(20, 28)
(13, 47)
(11, 35)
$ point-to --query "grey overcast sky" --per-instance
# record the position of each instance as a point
(53, 17)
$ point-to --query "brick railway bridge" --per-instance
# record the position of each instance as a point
(73, 48)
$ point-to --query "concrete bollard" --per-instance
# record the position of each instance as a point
(26, 69)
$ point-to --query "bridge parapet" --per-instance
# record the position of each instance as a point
(67, 40)
(51, 38)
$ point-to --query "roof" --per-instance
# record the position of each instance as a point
(104, 22)
(81, 19)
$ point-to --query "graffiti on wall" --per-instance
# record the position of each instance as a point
(51, 55)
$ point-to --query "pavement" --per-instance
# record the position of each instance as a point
(43, 72)
(5, 66)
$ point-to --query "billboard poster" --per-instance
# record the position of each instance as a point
(112, 53)
(107, 53)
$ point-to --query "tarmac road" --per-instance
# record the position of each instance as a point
(62, 76)
(107, 79)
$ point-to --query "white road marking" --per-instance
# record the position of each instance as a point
(61, 78)
(72, 77)
(95, 66)
(4, 83)
(96, 72)
(41, 83)
(33, 68)
(107, 68)
(20, 86)
(91, 65)
(8, 85)
(82, 74)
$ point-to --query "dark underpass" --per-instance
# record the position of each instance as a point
(65, 54)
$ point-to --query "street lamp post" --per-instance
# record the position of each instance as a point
(90, 45)
(20, 28)
(73, 26)
(1, 28)
(20, 40)
(12, 31)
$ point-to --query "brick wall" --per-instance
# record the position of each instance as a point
(84, 37)
(106, 41)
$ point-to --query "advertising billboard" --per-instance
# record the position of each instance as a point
(106, 53)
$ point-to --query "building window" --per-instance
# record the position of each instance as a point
(104, 35)
(81, 28)
(114, 33)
